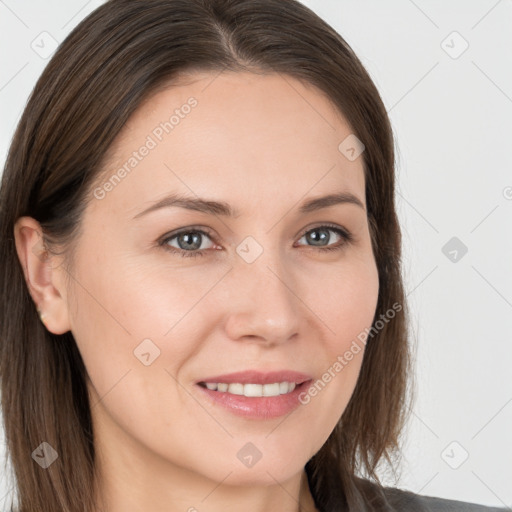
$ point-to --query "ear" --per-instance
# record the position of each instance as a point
(44, 277)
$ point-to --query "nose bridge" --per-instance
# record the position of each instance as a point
(264, 304)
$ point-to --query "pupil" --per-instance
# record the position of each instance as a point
(323, 236)
(191, 241)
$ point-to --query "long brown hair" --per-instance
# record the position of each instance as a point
(113, 60)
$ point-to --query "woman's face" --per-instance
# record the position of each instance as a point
(156, 313)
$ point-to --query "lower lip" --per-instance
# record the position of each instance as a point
(260, 407)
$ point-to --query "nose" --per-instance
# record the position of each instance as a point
(261, 301)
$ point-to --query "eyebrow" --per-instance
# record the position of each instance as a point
(225, 210)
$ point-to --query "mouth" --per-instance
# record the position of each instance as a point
(254, 394)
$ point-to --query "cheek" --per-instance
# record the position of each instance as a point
(150, 299)
(125, 314)
(347, 308)
(346, 301)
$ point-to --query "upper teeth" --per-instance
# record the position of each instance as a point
(236, 388)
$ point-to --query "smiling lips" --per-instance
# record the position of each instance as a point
(255, 394)
(237, 388)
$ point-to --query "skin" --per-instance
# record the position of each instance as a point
(263, 144)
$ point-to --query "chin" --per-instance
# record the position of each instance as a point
(266, 466)
(262, 474)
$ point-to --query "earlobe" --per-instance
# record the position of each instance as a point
(42, 275)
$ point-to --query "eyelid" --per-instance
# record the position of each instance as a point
(334, 227)
(196, 229)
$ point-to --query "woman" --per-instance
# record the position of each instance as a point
(203, 307)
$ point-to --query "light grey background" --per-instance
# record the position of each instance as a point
(452, 116)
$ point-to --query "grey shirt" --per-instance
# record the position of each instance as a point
(391, 499)
(401, 500)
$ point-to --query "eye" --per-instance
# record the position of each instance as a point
(320, 235)
(189, 240)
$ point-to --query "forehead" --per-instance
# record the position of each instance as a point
(233, 133)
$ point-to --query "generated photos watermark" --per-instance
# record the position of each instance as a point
(343, 360)
(156, 136)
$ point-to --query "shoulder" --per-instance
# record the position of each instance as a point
(399, 500)
(405, 500)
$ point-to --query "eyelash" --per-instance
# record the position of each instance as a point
(346, 236)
